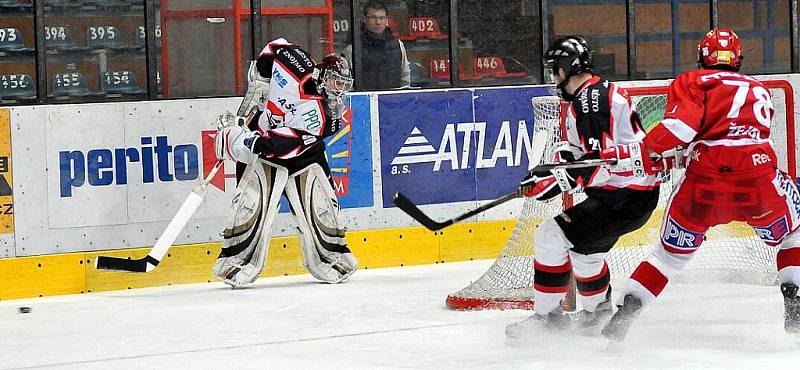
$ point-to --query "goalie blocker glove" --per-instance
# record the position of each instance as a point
(235, 143)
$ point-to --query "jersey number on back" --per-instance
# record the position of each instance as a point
(762, 107)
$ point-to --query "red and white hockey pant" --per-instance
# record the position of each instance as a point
(770, 204)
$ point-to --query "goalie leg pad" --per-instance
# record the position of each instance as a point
(245, 241)
(322, 234)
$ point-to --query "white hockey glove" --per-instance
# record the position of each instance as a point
(637, 159)
(563, 151)
(227, 119)
(257, 92)
(236, 143)
(546, 185)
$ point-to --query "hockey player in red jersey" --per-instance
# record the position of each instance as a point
(599, 115)
(297, 103)
(723, 118)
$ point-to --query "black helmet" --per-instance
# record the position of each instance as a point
(572, 54)
(335, 78)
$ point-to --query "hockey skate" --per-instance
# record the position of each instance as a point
(618, 326)
(791, 304)
(552, 322)
(590, 323)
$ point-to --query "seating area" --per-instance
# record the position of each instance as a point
(427, 48)
(11, 41)
(95, 50)
(17, 87)
(484, 68)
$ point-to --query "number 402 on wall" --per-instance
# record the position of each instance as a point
(400, 170)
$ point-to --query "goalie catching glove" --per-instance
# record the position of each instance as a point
(235, 143)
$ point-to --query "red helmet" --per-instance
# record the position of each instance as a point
(720, 47)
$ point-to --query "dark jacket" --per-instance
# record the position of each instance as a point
(381, 60)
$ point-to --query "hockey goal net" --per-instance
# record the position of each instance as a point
(731, 253)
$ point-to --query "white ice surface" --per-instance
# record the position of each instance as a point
(381, 319)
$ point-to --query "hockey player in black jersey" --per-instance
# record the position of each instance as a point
(599, 115)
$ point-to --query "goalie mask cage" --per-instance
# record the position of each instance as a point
(731, 253)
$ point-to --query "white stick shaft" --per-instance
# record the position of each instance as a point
(188, 208)
(179, 221)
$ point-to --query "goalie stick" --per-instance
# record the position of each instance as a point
(188, 208)
(151, 260)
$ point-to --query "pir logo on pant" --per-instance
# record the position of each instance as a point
(678, 239)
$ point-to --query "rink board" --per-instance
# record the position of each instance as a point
(105, 179)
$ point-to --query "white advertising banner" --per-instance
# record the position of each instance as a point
(109, 176)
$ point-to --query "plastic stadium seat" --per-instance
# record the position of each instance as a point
(425, 28)
(439, 69)
(17, 87)
(59, 38)
(66, 85)
(106, 3)
(62, 4)
(11, 40)
(493, 67)
(120, 82)
(139, 38)
(15, 5)
(396, 31)
(105, 37)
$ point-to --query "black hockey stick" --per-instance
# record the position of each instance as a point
(540, 139)
(402, 202)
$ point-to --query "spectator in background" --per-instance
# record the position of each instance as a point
(383, 60)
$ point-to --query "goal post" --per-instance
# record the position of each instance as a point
(731, 253)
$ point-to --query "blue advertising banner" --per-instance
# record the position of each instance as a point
(502, 161)
(353, 180)
(422, 146)
(451, 146)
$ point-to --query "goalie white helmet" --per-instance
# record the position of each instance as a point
(335, 78)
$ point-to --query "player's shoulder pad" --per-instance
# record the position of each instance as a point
(296, 60)
(272, 46)
(593, 99)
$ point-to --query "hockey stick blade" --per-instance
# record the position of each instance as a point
(405, 204)
(402, 202)
(153, 258)
(124, 264)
